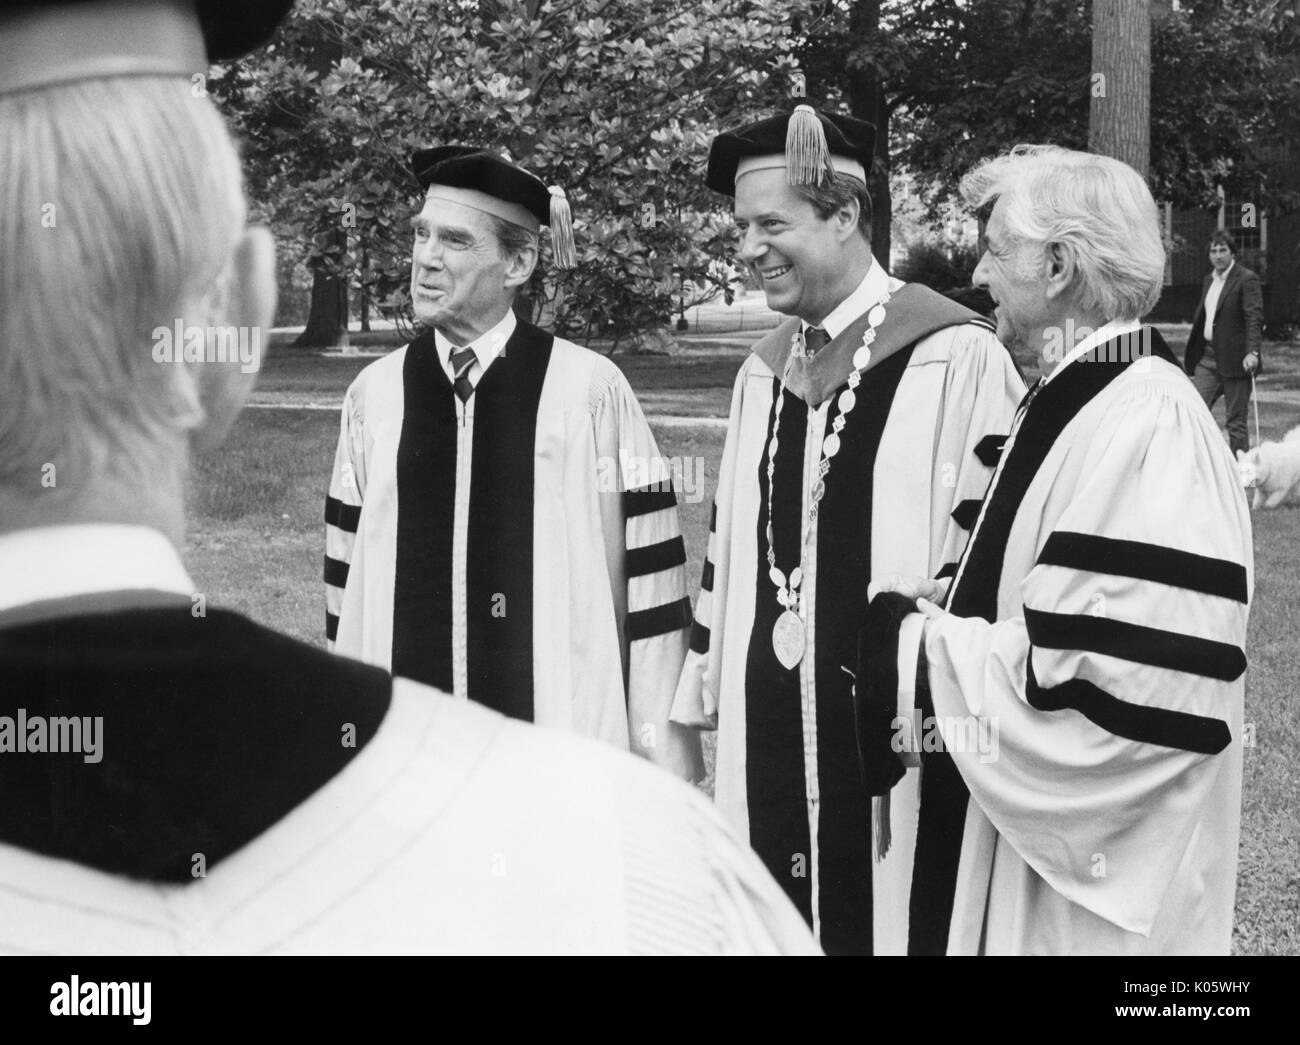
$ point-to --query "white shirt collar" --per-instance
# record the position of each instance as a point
(486, 348)
(1100, 336)
(59, 562)
(871, 291)
(1221, 276)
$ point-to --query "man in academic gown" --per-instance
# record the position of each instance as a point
(1087, 673)
(499, 522)
(862, 434)
(175, 777)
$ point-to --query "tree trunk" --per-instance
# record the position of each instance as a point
(867, 102)
(1119, 121)
(365, 291)
(327, 322)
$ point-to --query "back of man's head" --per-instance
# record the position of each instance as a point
(121, 207)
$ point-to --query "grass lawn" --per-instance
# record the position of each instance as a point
(255, 545)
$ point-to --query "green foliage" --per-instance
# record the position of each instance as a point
(615, 100)
(936, 267)
(966, 79)
(945, 269)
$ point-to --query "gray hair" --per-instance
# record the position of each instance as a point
(830, 196)
(513, 239)
(1097, 205)
(121, 202)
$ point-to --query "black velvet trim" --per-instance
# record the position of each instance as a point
(646, 624)
(1148, 562)
(656, 557)
(1135, 642)
(1147, 725)
(344, 516)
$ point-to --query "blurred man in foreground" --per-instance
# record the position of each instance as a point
(177, 778)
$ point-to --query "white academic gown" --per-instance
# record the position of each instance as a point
(450, 829)
(521, 549)
(917, 452)
(1108, 672)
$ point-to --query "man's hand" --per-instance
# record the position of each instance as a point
(1251, 363)
(911, 587)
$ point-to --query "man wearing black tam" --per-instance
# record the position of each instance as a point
(175, 777)
(500, 522)
(863, 433)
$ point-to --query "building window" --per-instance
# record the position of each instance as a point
(1247, 223)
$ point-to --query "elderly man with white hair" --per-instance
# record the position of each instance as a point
(1095, 627)
(175, 777)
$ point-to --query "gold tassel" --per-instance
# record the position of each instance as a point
(880, 825)
(807, 156)
(562, 245)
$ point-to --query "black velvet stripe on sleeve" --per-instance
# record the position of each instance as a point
(706, 577)
(344, 516)
(647, 499)
(646, 624)
(500, 545)
(656, 557)
(336, 572)
(1135, 642)
(1147, 725)
(331, 626)
(426, 498)
(699, 638)
(1148, 562)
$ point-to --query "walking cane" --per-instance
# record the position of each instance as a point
(1254, 399)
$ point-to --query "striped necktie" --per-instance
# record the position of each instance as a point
(461, 360)
(814, 338)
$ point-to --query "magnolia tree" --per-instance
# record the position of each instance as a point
(614, 100)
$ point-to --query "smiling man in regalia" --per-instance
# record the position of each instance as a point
(862, 434)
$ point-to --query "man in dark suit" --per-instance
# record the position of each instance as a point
(1224, 348)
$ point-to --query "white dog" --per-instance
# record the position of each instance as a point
(1273, 470)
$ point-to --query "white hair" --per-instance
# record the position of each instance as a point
(121, 202)
(1097, 205)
